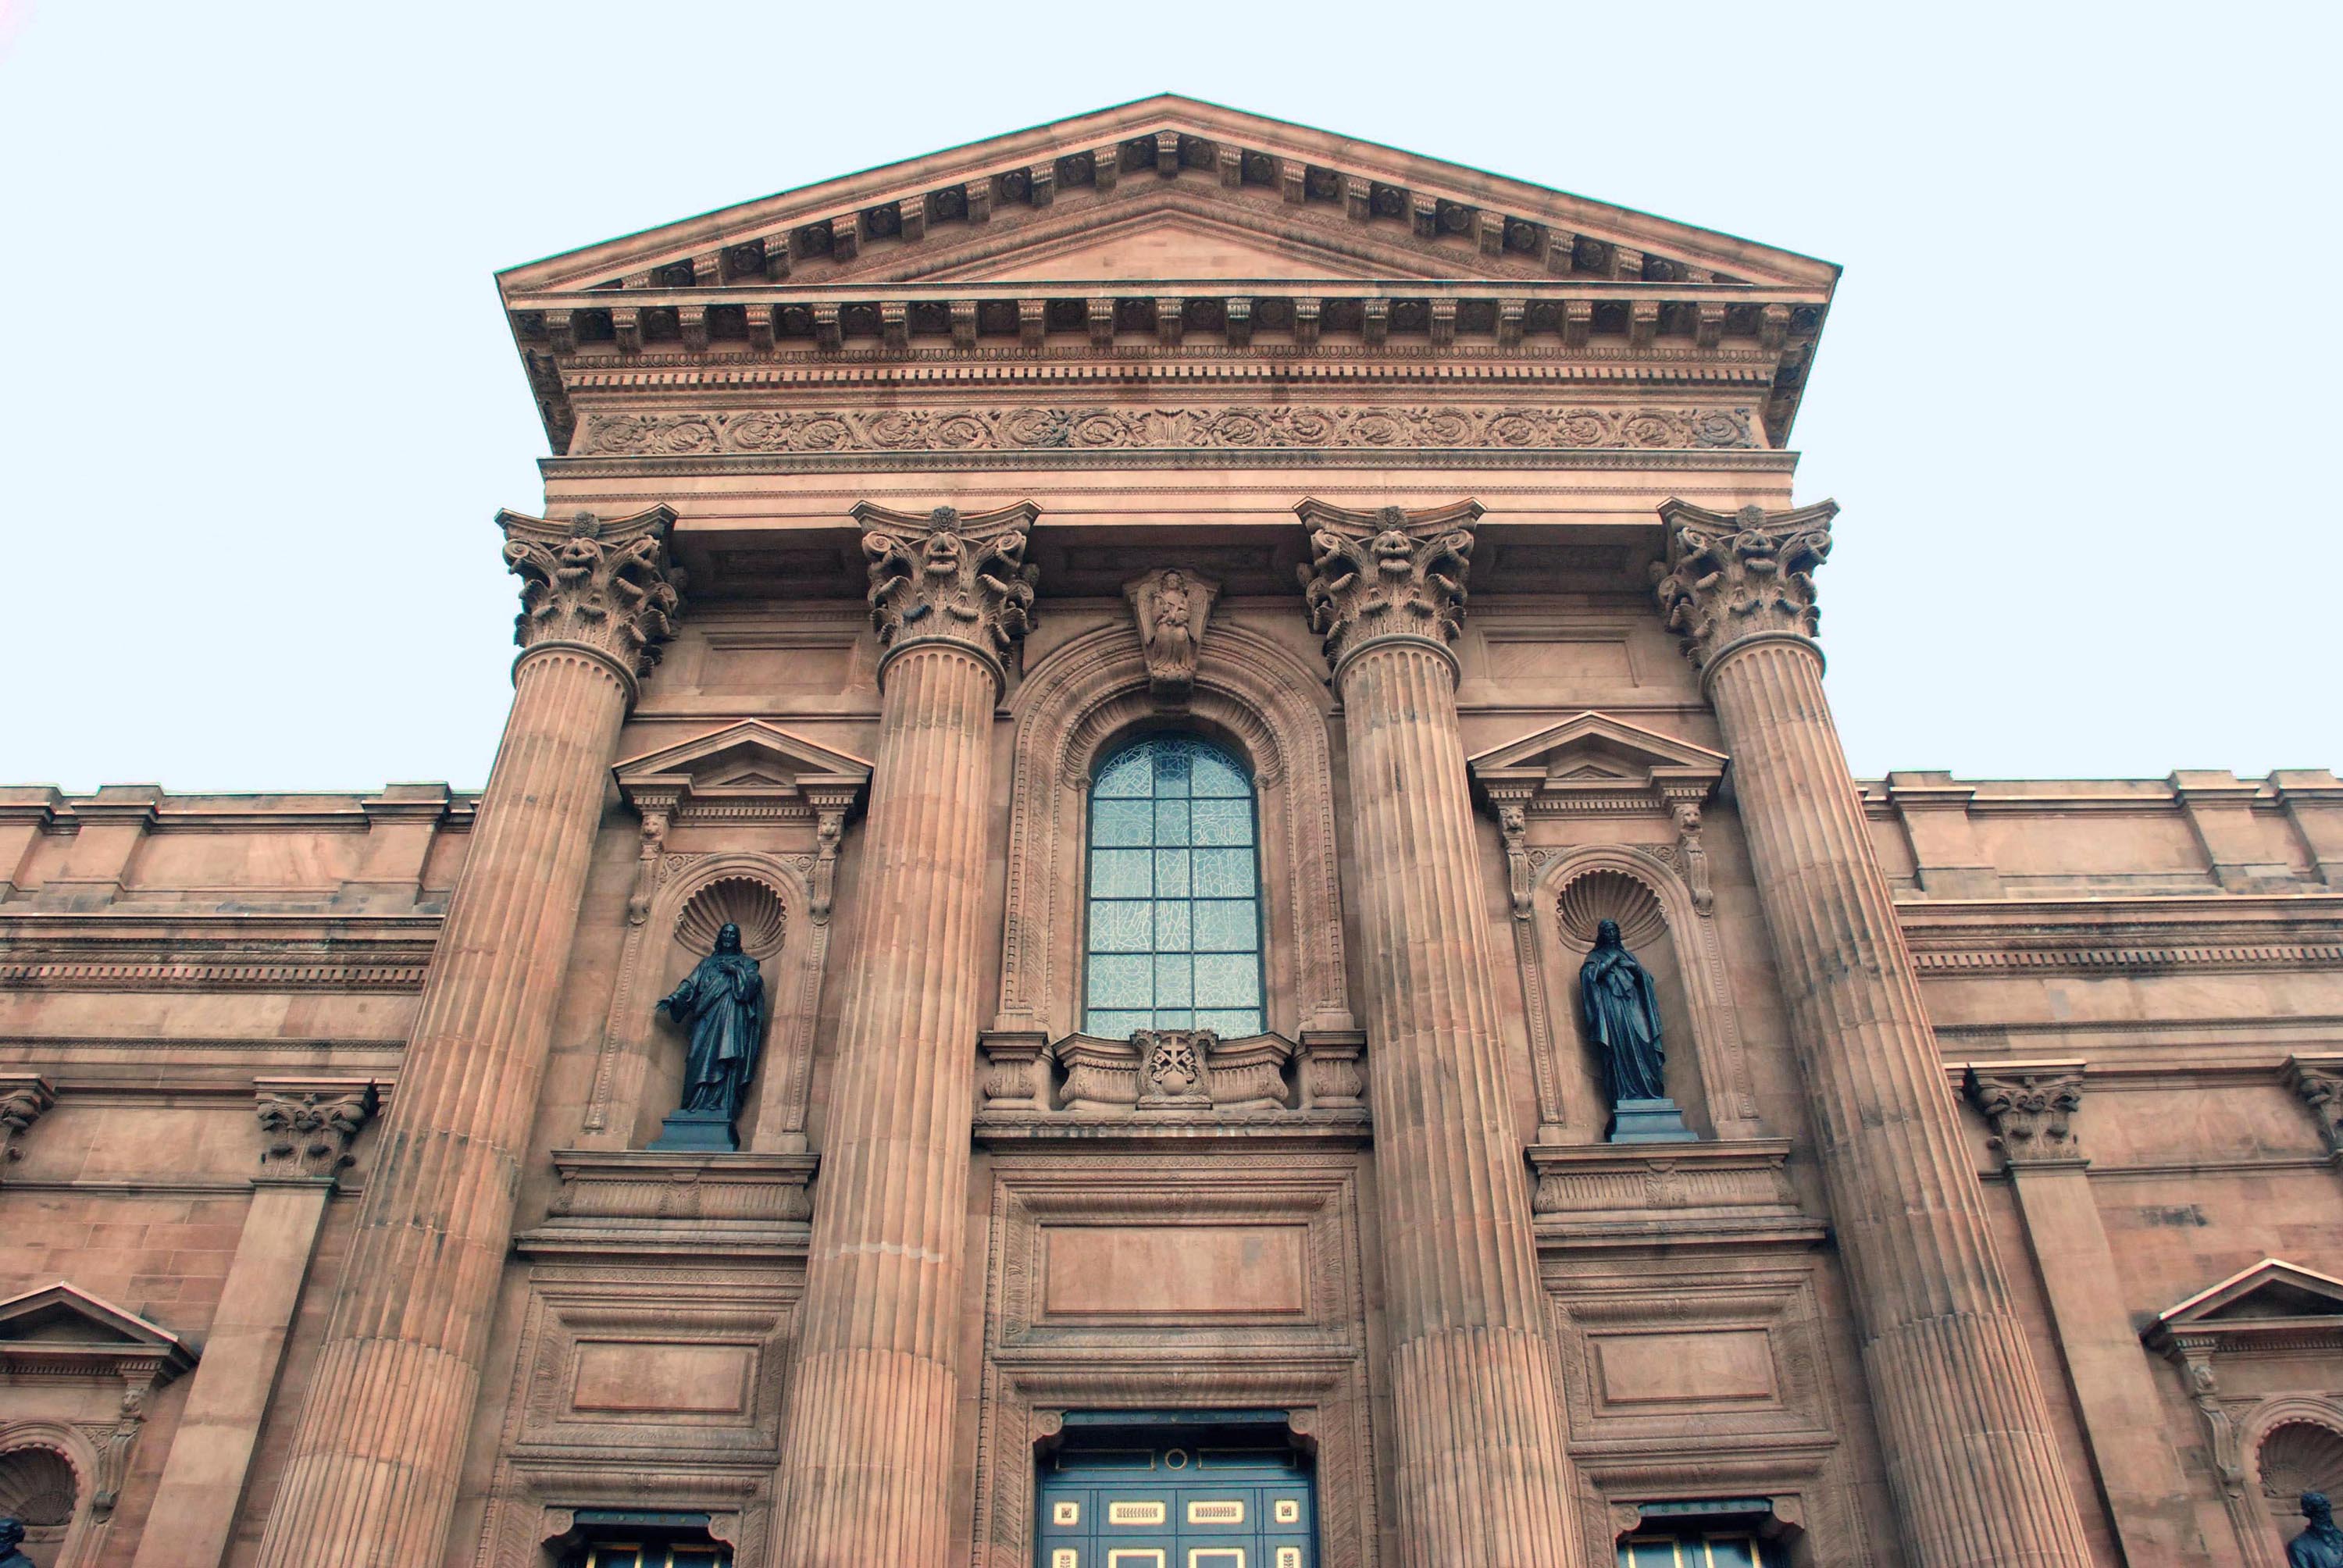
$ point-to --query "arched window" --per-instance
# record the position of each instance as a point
(1174, 938)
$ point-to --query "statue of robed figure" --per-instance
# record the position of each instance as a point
(2320, 1545)
(721, 1005)
(1622, 1014)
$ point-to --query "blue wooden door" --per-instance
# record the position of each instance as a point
(1176, 1505)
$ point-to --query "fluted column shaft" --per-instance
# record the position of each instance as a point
(1484, 1475)
(867, 1450)
(868, 1464)
(372, 1480)
(1971, 1459)
(373, 1476)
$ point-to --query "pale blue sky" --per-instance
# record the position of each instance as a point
(258, 403)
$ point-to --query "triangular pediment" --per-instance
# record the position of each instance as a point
(2271, 1290)
(62, 1330)
(1594, 763)
(1292, 202)
(748, 770)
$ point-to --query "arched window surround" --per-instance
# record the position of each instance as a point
(1252, 695)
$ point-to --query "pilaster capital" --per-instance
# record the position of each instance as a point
(946, 576)
(606, 586)
(25, 1098)
(1386, 575)
(307, 1125)
(1733, 575)
(2030, 1106)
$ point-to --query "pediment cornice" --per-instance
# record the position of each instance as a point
(1594, 763)
(747, 772)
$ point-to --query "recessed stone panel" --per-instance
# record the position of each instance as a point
(617, 1375)
(1723, 1366)
(1175, 1270)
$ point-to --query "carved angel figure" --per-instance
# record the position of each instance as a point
(1171, 606)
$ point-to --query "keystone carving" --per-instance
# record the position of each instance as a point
(23, 1099)
(2029, 1107)
(608, 586)
(1733, 575)
(948, 578)
(1384, 574)
(1171, 606)
(308, 1128)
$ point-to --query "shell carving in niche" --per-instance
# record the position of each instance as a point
(1608, 895)
(741, 901)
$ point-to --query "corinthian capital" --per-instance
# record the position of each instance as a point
(2030, 1107)
(1733, 575)
(1386, 574)
(606, 585)
(948, 577)
(307, 1127)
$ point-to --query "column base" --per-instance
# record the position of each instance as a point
(1650, 1121)
(696, 1130)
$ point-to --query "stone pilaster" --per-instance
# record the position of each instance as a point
(373, 1473)
(1972, 1462)
(2031, 1107)
(866, 1458)
(1483, 1473)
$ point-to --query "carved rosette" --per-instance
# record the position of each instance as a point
(1172, 606)
(606, 585)
(1733, 575)
(2030, 1107)
(1392, 574)
(950, 577)
(306, 1129)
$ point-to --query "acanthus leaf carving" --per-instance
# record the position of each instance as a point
(1730, 575)
(606, 585)
(306, 1129)
(1173, 606)
(946, 576)
(25, 1098)
(1388, 573)
(2030, 1108)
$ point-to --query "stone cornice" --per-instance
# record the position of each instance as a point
(1044, 459)
(2086, 935)
(114, 951)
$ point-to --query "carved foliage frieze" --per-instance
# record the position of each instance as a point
(608, 584)
(1507, 427)
(1731, 575)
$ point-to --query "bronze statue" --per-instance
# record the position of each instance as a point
(12, 1541)
(723, 1004)
(1622, 1017)
(1622, 1014)
(2320, 1545)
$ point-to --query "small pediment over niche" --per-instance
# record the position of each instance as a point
(61, 1330)
(749, 772)
(1594, 763)
(2272, 1289)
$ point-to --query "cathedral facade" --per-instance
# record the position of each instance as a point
(1170, 887)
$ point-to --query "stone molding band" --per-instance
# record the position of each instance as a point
(600, 658)
(1433, 646)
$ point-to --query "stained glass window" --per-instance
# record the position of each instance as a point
(1174, 939)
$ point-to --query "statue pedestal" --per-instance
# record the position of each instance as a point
(1639, 1121)
(696, 1130)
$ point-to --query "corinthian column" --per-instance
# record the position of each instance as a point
(373, 1473)
(866, 1458)
(1484, 1477)
(1971, 1461)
